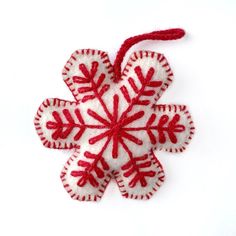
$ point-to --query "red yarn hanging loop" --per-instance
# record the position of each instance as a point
(170, 34)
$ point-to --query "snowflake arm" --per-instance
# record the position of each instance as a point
(175, 127)
(59, 124)
(84, 177)
(148, 75)
(88, 74)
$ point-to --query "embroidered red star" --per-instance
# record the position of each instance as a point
(114, 126)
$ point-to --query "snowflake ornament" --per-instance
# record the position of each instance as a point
(115, 125)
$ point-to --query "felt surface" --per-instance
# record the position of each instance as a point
(114, 127)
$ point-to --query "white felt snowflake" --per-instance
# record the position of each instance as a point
(114, 127)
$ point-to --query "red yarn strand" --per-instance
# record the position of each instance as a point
(170, 34)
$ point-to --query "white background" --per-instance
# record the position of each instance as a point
(198, 196)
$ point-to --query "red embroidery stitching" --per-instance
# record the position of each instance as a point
(70, 122)
(59, 126)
